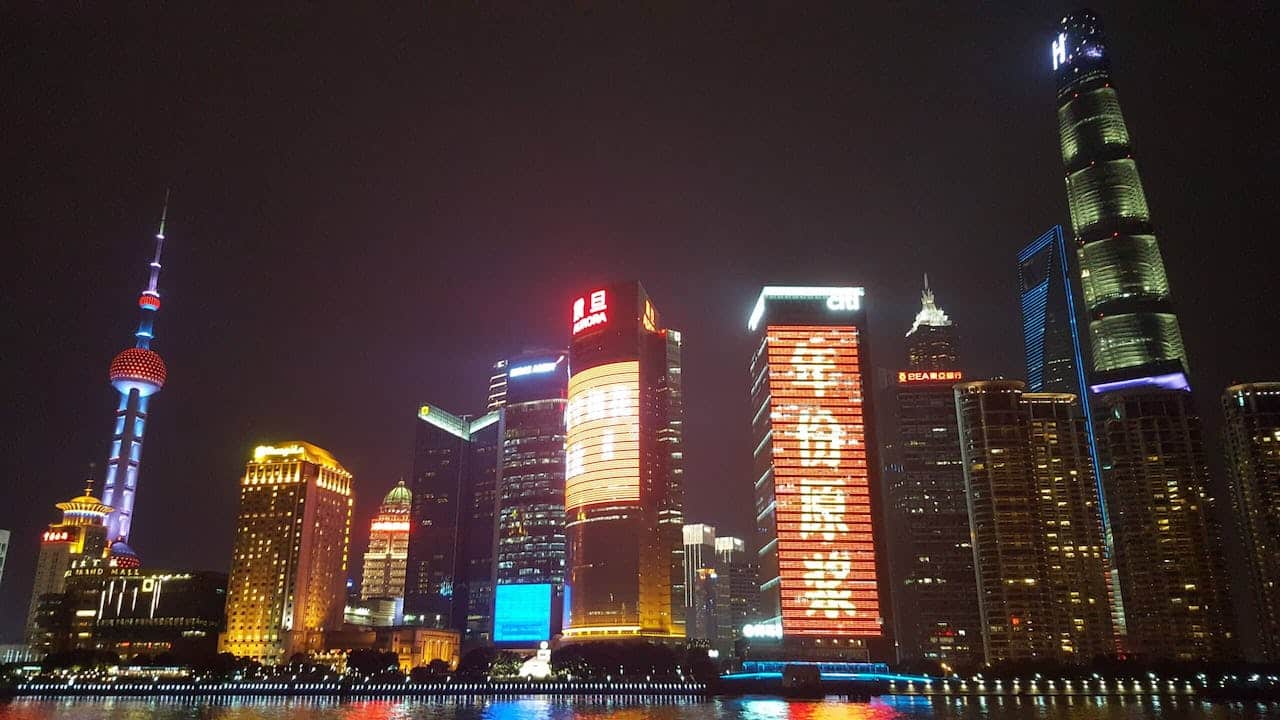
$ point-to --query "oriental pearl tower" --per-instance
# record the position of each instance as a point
(136, 373)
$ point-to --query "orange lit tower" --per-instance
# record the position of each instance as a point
(388, 553)
(823, 573)
(82, 533)
(136, 373)
(289, 564)
(623, 485)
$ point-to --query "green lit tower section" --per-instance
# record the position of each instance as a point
(1126, 292)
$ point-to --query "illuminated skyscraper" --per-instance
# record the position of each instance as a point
(936, 599)
(737, 590)
(932, 342)
(1055, 355)
(530, 552)
(289, 564)
(671, 447)
(136, 373)
(82, 534)
(388, 553)
(497, 387)
(722, 587)
(1150, 451)
(1055, 359)
(449, 580)
(699, 555)
(1039, 556)
(823, 566)
(622, 494)
(1252, 434)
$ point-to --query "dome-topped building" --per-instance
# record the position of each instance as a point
(387, 558)
(399, 497)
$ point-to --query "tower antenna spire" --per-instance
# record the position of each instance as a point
(155, 261)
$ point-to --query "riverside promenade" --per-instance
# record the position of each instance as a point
(196, 688)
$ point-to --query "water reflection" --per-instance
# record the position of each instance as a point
(634, 708)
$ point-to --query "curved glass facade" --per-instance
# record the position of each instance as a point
(1133, 339)
(1106, 192)
(1126, 290)
(1124, 266)
(1091, 124)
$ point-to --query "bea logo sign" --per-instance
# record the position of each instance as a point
(847, 300)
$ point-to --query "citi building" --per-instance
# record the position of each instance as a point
(817, 495)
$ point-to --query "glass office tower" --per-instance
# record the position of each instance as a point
(1150, 450)
(936, 599)
(530, 549)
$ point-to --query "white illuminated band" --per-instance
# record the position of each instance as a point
(764, 631)
(535, 369)
(839, 299)
(1060, 51)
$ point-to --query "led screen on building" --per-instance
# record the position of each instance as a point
(602, 446)
(826, 554)
(522, 613)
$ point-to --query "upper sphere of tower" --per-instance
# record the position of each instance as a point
(140, 369)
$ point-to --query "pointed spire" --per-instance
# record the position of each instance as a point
(155, 262)
(88, 483)
(930, 314)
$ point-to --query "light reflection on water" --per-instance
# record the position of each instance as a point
(631, 708)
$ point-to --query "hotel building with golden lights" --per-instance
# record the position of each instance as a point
(288, 569)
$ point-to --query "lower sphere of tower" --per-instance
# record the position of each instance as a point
(138, 369)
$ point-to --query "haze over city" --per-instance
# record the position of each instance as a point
(366, 213)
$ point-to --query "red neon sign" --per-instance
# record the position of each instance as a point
(51, 536)
(585, 316)
(908, 377)
(826, 551)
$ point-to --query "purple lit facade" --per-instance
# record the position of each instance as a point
(1167, 381)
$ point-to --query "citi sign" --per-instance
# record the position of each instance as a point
(585, 316)
(850, 299)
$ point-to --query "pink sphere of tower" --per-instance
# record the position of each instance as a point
(140, 369)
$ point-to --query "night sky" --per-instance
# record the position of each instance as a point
(368, 210)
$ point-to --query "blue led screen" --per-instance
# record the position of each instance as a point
(522, 613)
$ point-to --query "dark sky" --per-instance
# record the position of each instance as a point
(369, 209)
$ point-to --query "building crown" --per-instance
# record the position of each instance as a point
(930, 314)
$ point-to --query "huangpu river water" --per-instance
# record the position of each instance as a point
(568, 708)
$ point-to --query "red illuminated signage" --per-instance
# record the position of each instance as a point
(590, 315)
(602, 438)
(929, 376)
(826, 553)
(52, 536)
